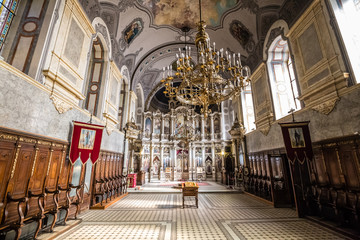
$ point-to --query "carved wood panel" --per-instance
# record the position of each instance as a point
(23, 170)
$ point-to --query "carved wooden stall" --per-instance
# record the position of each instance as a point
(269, 178)
(336, 183)
(34, 186)
(39, 185)
(334, 174)
(108, 180)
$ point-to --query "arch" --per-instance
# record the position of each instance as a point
(139, 104)
(102, 32)
(282, 78)
(247, 108)
(96, 77)
(279, 27)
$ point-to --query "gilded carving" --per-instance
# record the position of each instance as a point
(15, 160)
(44, 143)
(35, 158)
(27, 140)
(60, 105)
(326, 107)
(50, 158)
(8, 137)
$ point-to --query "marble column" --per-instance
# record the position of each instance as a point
(212, 127)
(151, 159)
(161, 162)
(202, 128)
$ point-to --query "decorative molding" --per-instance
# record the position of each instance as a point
(15, 161)
(60, 105)
(110, 128)
(326, 107)
(8, 137)
(265, 130)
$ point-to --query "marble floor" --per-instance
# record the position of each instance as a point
(224, 215)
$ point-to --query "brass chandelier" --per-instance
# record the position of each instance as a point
(216, 77)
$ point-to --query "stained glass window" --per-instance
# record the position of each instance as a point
(7, 13)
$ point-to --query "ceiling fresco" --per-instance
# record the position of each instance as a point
(180, 13)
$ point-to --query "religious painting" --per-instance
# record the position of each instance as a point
(166, 150)
(146, 162)
(216, 125)
(136, 163)
(147, 127)
(166, 162)
(208, 126)
(296, 137)
(132, 31)
(156, 150)
(198, 127)
(166, 126)
(156, 164)
(87, 139)
(199, 161)
(179, 126)
(218, 163)
(157, 126)
(242, 35)
(179, 13)
(198, 151)
(146, 150)
(297, 141)
(208, 150)
(208, 164)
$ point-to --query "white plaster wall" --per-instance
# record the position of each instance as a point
(25, 107)
(344, 120)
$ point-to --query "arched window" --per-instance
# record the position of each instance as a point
(248, 109)
(282, 78)
(347, 13)
(95, 78)
(7, 13)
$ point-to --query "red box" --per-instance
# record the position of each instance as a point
(132, 180)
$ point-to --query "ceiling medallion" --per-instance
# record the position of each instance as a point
(202, 84)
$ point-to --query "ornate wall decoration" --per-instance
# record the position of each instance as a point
(242, 35)
(179, 13)
(273, 34)
(251, 5)
(102, 29)
(326, 107)
(60, 105)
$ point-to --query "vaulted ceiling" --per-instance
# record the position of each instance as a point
(146, 34)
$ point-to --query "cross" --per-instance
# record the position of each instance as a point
(292, 113)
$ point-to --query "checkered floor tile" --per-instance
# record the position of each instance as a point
(219, 216)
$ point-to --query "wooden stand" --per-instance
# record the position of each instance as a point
(190, 192)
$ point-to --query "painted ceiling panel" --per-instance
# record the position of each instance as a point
(179, 13)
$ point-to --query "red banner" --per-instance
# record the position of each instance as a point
(85, 142)
(297, 141)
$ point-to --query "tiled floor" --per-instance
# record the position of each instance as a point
(219, 216)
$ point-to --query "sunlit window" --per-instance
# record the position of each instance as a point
(282, 78)
(347, 13)
(7, 13)
(248, 109)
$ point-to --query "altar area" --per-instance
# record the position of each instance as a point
(175, 187)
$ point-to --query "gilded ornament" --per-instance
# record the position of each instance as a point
(15, 161)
